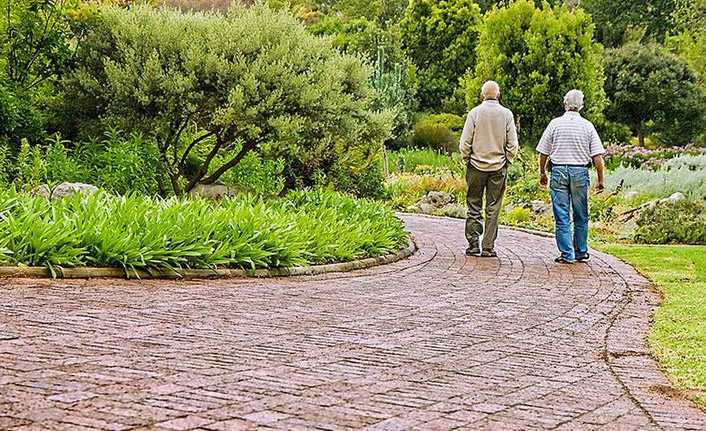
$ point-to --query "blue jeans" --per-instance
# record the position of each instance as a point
(569, 191)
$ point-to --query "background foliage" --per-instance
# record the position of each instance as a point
(254, 80)
(440, 38)
(655, 93)
(537, 54)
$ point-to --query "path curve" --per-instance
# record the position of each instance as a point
(438, 341)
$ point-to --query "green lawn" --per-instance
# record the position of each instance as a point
(678, 336)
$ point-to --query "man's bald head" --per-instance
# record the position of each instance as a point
(490, 91)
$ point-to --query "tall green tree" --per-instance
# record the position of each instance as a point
(37, 42)
(537, 54)
(440, 38)
(205, 86)
(654, 92)
(615, 19)
(689, 42)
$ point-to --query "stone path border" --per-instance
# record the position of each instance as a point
(191, 274)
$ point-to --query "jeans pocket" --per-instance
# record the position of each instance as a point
(557, 178)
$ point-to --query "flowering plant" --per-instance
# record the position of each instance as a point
(642, 158)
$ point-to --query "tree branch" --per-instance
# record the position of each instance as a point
(191, 146)
(206, 164)
(234, 161)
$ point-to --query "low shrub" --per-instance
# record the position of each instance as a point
(135, 231)
(439, 132)
(518, 216)
(672, 222)
(425, 161)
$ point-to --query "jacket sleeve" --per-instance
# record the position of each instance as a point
(511, 143)
(466, 145)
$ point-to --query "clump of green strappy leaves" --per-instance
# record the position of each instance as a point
(139, 232)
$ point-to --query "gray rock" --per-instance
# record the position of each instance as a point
(676, 197)
(218, 190)
(64, 190)
(426, 208)
(42, 190)
(540, 208)
(433, 202)
(437, 199)
(631, 194)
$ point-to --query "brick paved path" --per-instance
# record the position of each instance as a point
(435, 342)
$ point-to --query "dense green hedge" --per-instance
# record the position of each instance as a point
(246, 232)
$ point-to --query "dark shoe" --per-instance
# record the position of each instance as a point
(489, 253)
(473, 251)
(560, 259)
(583, 258)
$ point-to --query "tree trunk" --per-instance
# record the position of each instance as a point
(641, 135)
(174, 178)
(385, 163)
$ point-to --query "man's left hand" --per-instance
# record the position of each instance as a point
(543, 180)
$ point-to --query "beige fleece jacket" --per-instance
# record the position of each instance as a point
(489, 139)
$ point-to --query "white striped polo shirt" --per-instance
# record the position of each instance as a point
(570, 140)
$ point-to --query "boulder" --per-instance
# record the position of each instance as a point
(676, 197)
(631, 194)
(218, 190)
(540, 208)
(64, 190)
(433, 202)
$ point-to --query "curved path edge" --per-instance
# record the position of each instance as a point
(631, 360)
(626, 349)
(628, 354)
(190, 274)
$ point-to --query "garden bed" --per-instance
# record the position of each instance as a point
(101, 235)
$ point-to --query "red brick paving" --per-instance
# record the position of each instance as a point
(438, 341)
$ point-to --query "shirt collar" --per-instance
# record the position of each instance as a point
(572, 114)
(491, 101)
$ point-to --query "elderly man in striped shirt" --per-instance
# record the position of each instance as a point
(571, 143)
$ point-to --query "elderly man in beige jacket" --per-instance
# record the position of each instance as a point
(488, 145)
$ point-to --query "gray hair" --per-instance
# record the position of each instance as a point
(574, 100)
(490, 90)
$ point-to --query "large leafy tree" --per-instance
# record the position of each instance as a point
(615, 18)
(690, 40)
(204, 86)
(440, 37)
(537, 55)
(37, 41)
(653, 91)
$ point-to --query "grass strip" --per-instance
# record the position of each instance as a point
(678, 335)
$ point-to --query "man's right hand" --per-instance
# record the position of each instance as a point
(543, 180)
(600, 187)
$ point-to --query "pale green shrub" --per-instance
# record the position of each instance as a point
(683, 174)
